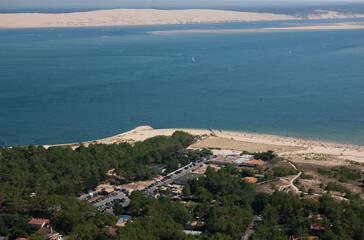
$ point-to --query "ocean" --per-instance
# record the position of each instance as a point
(66, 85)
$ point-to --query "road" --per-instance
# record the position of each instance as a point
(255, 222)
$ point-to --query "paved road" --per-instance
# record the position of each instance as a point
(255, 222)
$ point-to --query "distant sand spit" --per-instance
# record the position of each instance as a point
(309, 27)
(129, 17)
(244, 141)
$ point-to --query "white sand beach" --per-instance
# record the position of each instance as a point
(245, 141)
(132, 17)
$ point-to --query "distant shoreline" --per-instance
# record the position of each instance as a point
(138, 17)
(340, 150)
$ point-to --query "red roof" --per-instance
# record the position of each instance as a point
(39, 221)
(21, 239)
(251, 179)
(112, 231)
(254, 161)
(55, 236)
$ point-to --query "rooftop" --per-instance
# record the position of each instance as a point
(39, 221)
(251, 179)
(254, 162)
(317, 227)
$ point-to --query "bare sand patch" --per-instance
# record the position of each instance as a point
(226, 143)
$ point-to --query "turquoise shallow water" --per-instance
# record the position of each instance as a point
(78, 84)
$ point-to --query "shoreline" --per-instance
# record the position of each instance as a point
(307, 146)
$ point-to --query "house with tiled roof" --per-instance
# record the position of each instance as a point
(317, 228)
(252, 163)
(51, 234)
(251, 179)
(39, 222)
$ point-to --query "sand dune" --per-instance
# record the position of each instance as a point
(127, 17)
(130, 17)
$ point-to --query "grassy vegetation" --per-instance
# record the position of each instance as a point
(343, 173)
(283, 172)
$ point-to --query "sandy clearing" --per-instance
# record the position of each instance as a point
(228, 143)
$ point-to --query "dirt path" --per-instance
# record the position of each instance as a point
(291, 185)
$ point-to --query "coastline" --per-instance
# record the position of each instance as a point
(306, 146)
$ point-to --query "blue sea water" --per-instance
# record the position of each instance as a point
(76, 84)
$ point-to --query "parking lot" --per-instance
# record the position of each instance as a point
(191, 167)
(104, 200)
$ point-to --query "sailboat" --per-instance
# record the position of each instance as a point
(193, 59)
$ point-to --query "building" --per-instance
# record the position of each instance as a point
(243, 158)
(251, 179)
(39, 222)
(317, 228)
(184, 179)
(51, 234)
(252, 163)
(108, 191)
(112, 231)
